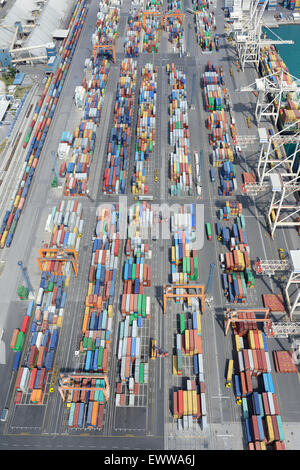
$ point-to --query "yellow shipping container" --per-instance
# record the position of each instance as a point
(251, 339)
(190, 402)
(199, 323)
(270, 431)
(85, 323)
(175, 372)
(260, 339)
(194, 397)
(185, 403)
(237, 343)
(187, 342)
(90, 288)
(59, 321)
(173, 254)
(3, 238)
(17, 200)
(263, 446)
(110, 311)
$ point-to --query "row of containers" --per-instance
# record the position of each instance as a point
(145, 129)
(205, 25)
(77, 148)
(44, 315)
(180, 156)
(97, 322)
(118, 149)
(184, 260)
(50, 95)
(237, 274)
(189, 406)
(152, 29)
(189, 403)
(223, 154)
(133, 345)
(133, 33)
(106, 28)
(254, 388)
(175, 26)
(272, 65)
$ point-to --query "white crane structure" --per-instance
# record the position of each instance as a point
(283, 207)
(248, 35)
(21, 30)
(277, 172)
(271, 91)
(291, 265)
(273, 157)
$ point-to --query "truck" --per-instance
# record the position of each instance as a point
(217, 42)
(208, 231)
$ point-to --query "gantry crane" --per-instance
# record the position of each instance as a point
(8, 55)
(168, 293)
(270, 91)
(291, 265)
(283, 207)
(62, 256)
(273, 154)
(70, 382)
(234, 316)
(248, 35)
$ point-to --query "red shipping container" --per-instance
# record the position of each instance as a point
(100, 414)
(19, 376)
(32, 378)
(180, 403)
(243, 384)
(76, 413)
(198, 406)
(275, 428)
(254, 425)
(25, 323)
(246, 359)
(248, 381)
(275, 404)
(266, 403)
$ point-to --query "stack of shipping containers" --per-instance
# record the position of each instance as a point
(119, 141)
(205, 23)
(254, 388)
(153, 25)
(98, 319)
(180, 156)
(133, 346)
(145, 129)
(235, 262)
(133, 31)
(220, 139)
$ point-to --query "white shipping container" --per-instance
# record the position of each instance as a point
(271, 403)
(25, 379)
(203, 404)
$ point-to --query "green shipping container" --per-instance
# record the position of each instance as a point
(139, 304)
(182, 323)
(141, 375)
(100, 358)
(143, 305)
(245, 408)
(20, 341)
(280, 428)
